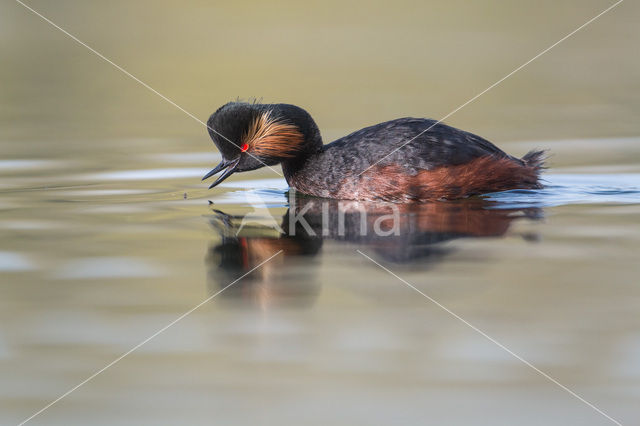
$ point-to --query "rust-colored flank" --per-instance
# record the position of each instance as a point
(482, 175)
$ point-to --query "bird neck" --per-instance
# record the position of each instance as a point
(291, 166)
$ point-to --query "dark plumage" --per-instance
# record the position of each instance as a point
(394, 161)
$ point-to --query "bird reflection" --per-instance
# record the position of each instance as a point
(408, 234)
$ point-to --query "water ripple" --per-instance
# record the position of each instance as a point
(567, 189)
(560, 189)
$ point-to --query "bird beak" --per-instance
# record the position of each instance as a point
(227, 166)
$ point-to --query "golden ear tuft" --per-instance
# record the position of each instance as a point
(268, 136)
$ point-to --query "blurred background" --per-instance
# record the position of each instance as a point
(106, 233)
(348, 64)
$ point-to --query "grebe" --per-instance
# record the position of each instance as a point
(395, 161)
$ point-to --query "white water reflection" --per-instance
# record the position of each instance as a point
(18, 165)
(187, 157)
(15, 262)
(102, 192)
(107, 268)
(144, 174)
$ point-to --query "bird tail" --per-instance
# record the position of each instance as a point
(536, 160)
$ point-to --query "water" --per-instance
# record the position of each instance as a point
(107, 234)
(94, 262)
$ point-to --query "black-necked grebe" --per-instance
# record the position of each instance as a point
(393, 161)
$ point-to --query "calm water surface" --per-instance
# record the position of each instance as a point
(92, 263)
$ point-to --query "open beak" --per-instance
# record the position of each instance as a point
(227, 166)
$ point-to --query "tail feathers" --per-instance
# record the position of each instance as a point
(535, 159)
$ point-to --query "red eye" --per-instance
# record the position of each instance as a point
(244, 147)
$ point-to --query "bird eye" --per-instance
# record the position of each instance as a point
(244, 147)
